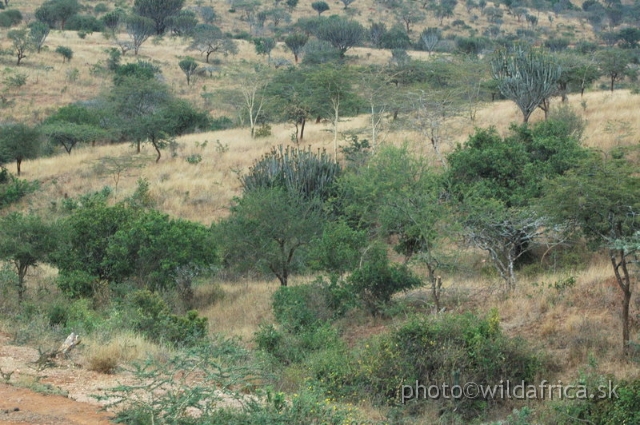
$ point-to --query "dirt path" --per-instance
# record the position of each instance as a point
(20, 404)
(23, 406)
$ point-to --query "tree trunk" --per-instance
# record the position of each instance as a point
(138, 143)
(208, 53)
(304, 121)
(22, 272)
(18, 164)
(624, 281)
(157, 148)
(613, 80)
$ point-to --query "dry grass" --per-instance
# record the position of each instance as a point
(244, 306)
(121, 348)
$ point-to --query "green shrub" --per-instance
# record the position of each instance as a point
(196, 158)
(85, 23)
(377, 280)
(150, 315)
(263, 131)
(13, 189)
(221, 123)
(10, 18)
(452, 349)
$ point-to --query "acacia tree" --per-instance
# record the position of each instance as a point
(209, 39)
(527, 77)
(602, 201)
(614, 63)
(320, 6)
(267, 229)
(25, 241)
(19, 142)
(69, 134)
(158, 11)
(21, 43)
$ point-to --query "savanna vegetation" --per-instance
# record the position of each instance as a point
(267, 212)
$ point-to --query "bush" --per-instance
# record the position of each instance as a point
(10, 18)
(150, 315)
(452, 349)
(86, 23)
(65, 52)
(221, 123)
(13, 189)
(377, 280)
(194, 159)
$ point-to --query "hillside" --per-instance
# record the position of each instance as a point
(317, 294)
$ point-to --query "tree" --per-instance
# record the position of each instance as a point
(430, 38)
(53, 12)
(188, 65)
(267, 230)
(347, 3)
(68, 134)
(614, 63)
(21, 43)
(410, 15)
(264, 45)
(320, 6)
(343, 34)
(25, 241)
(183, 23)
(158, 11)
(139, 29)
(527, 77)
(295, 43)
(291, 4)
(65, 52)
(209, 39)
(38, 32)
(601, 200)
(19, 142)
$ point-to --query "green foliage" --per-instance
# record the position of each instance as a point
(86, 23)
(13, 189)
(296, 42)
(142, 70)
(221, 123)
(38, 32)
(57, 12)
(65, 52)
(182, 24)
(25, 241)
(150, 315)
(268, 231)
(188, 65)
(139, 29)
(377, 280)
(264, 45)
(343, 34)
(296, 170)
(338, 249)
(158, 11)
(10, 18)
(450, 349)
(195, 159)
(19, 142)
(320, 7)
(198, 379)
(69, 134)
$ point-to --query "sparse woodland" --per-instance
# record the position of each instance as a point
(283, 211)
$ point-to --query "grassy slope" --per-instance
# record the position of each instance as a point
(583, 318)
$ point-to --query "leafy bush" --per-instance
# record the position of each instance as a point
(13, 189)
(221, 123)
(150, 315)
(452, 349)
(9, 18)
(86, 23)
(377, 280)
(196, 158)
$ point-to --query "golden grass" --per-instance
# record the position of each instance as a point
(121, 348)
(244, 306)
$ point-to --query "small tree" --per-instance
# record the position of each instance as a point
(188, 65)
(527, 77)
(264, 45)
(53, 12)
(38, 32)
(347, 3)
(267, 229)
(25, 241)
(296, 43)
(21, 43)
(614, 63)
(343, 34)
(139, 29)
(320, 7)
(65, 52)
(19, 142)
(68, 134)
(602, 201)
(209, 39)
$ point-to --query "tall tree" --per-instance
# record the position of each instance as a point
(526, 76)
(295, 43)
(158, 11)
(614, 63)
(25, 241)
(38, 32)
(19, 142)
(188, 65)
(53, 12)
(21, 43)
